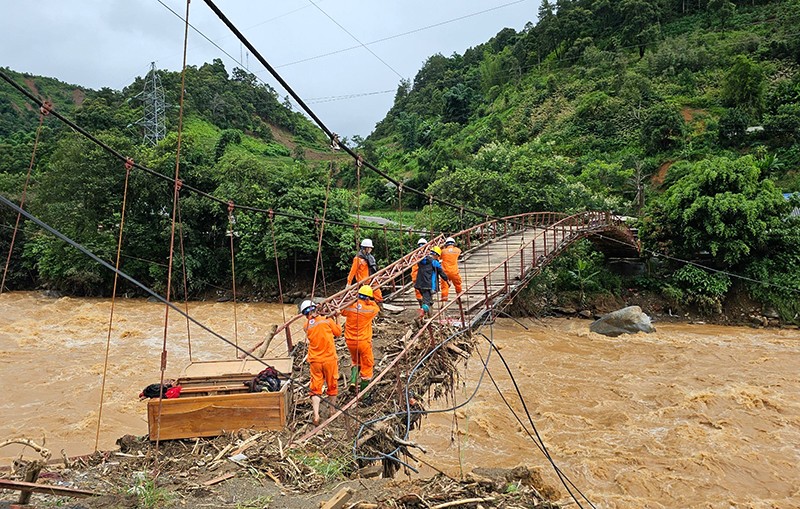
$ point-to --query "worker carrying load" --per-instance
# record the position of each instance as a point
(358, 335)
(429, 270)
(364, 265)
(421, 242)
(450, 255)
(322, 359)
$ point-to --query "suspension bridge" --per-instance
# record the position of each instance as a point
(500, 255)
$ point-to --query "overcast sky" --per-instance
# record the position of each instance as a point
(108, 43)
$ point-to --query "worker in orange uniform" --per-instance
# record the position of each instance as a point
(364, 265)
(358, 335)
(322, 360)
(450, 255)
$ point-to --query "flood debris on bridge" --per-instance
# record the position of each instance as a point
(247, 465)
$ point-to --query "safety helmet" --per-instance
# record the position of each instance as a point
(307, 306)
(365, 290)
(366, 243)
(422, 241)
(437, 250)
(449, 241)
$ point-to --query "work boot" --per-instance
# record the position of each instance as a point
(353, 379)
(366, 396)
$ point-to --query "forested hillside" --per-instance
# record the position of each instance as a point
(682, 114)
(239, 143)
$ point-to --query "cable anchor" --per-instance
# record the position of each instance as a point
(45, 108)
(128, 163)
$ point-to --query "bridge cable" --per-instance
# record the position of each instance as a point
(175, 199)
(322, 228)
(128, 167)
(278, 272)
(537, 439)
(8, 203)
(166, 178)
(44, 110)
(232, 234)
(658, 254)
(331, 135)
(185, 282)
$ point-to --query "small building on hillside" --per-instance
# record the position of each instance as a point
(787, 197)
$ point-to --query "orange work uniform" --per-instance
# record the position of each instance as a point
(359, 271)
(358, 334)
(322, 360)
(449, 259)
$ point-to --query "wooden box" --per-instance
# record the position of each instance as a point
(214, 400)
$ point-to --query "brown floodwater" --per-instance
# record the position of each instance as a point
(690, 416)
(53, 352)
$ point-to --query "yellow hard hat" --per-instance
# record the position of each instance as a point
(437, 250)
(365, 290)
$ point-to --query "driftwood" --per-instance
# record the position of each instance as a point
(219, 479)
(262, 349)
(7, 484)
(464, 501)
(45, 453)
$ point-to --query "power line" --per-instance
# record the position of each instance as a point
(403, 34)
(188, 187)
(357, 40)
(5, 201)
(335, 137)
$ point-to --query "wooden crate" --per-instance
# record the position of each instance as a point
(212, 403)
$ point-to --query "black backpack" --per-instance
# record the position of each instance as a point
(151, 391)
(268, 379)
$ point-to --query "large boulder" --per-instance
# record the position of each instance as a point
(629, 320)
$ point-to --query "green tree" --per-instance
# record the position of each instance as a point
(744, 86)
(663, 128)
(720, 207)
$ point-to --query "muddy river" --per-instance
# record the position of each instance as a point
(690, 416)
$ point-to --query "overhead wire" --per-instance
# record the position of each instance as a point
(333, 136)
(320, 9)
(537, 439)
(8, 203)
(184, 186)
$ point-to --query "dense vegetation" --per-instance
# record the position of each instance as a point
(683, 114)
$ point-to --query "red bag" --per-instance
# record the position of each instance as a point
(173, 392)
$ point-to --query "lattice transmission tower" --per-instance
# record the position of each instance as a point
(153, 121)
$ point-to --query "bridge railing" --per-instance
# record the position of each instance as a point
(554, 223)
(558, 232)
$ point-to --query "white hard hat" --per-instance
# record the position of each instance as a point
(449, 240)
(366, 243)
(306, 305)
(421, 241)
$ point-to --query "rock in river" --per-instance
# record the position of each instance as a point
(629, 320)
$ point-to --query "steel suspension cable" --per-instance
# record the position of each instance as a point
(128, 167)
(83, 132)
(44, 110)
(231, 224)
(185, 282)
(8, 203)
(278, 273)
(175, 197)
(322, 228)
(331, 135)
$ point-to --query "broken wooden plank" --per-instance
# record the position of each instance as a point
(463, 501)
(339, 500)
(217, 480)
(8, 484)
